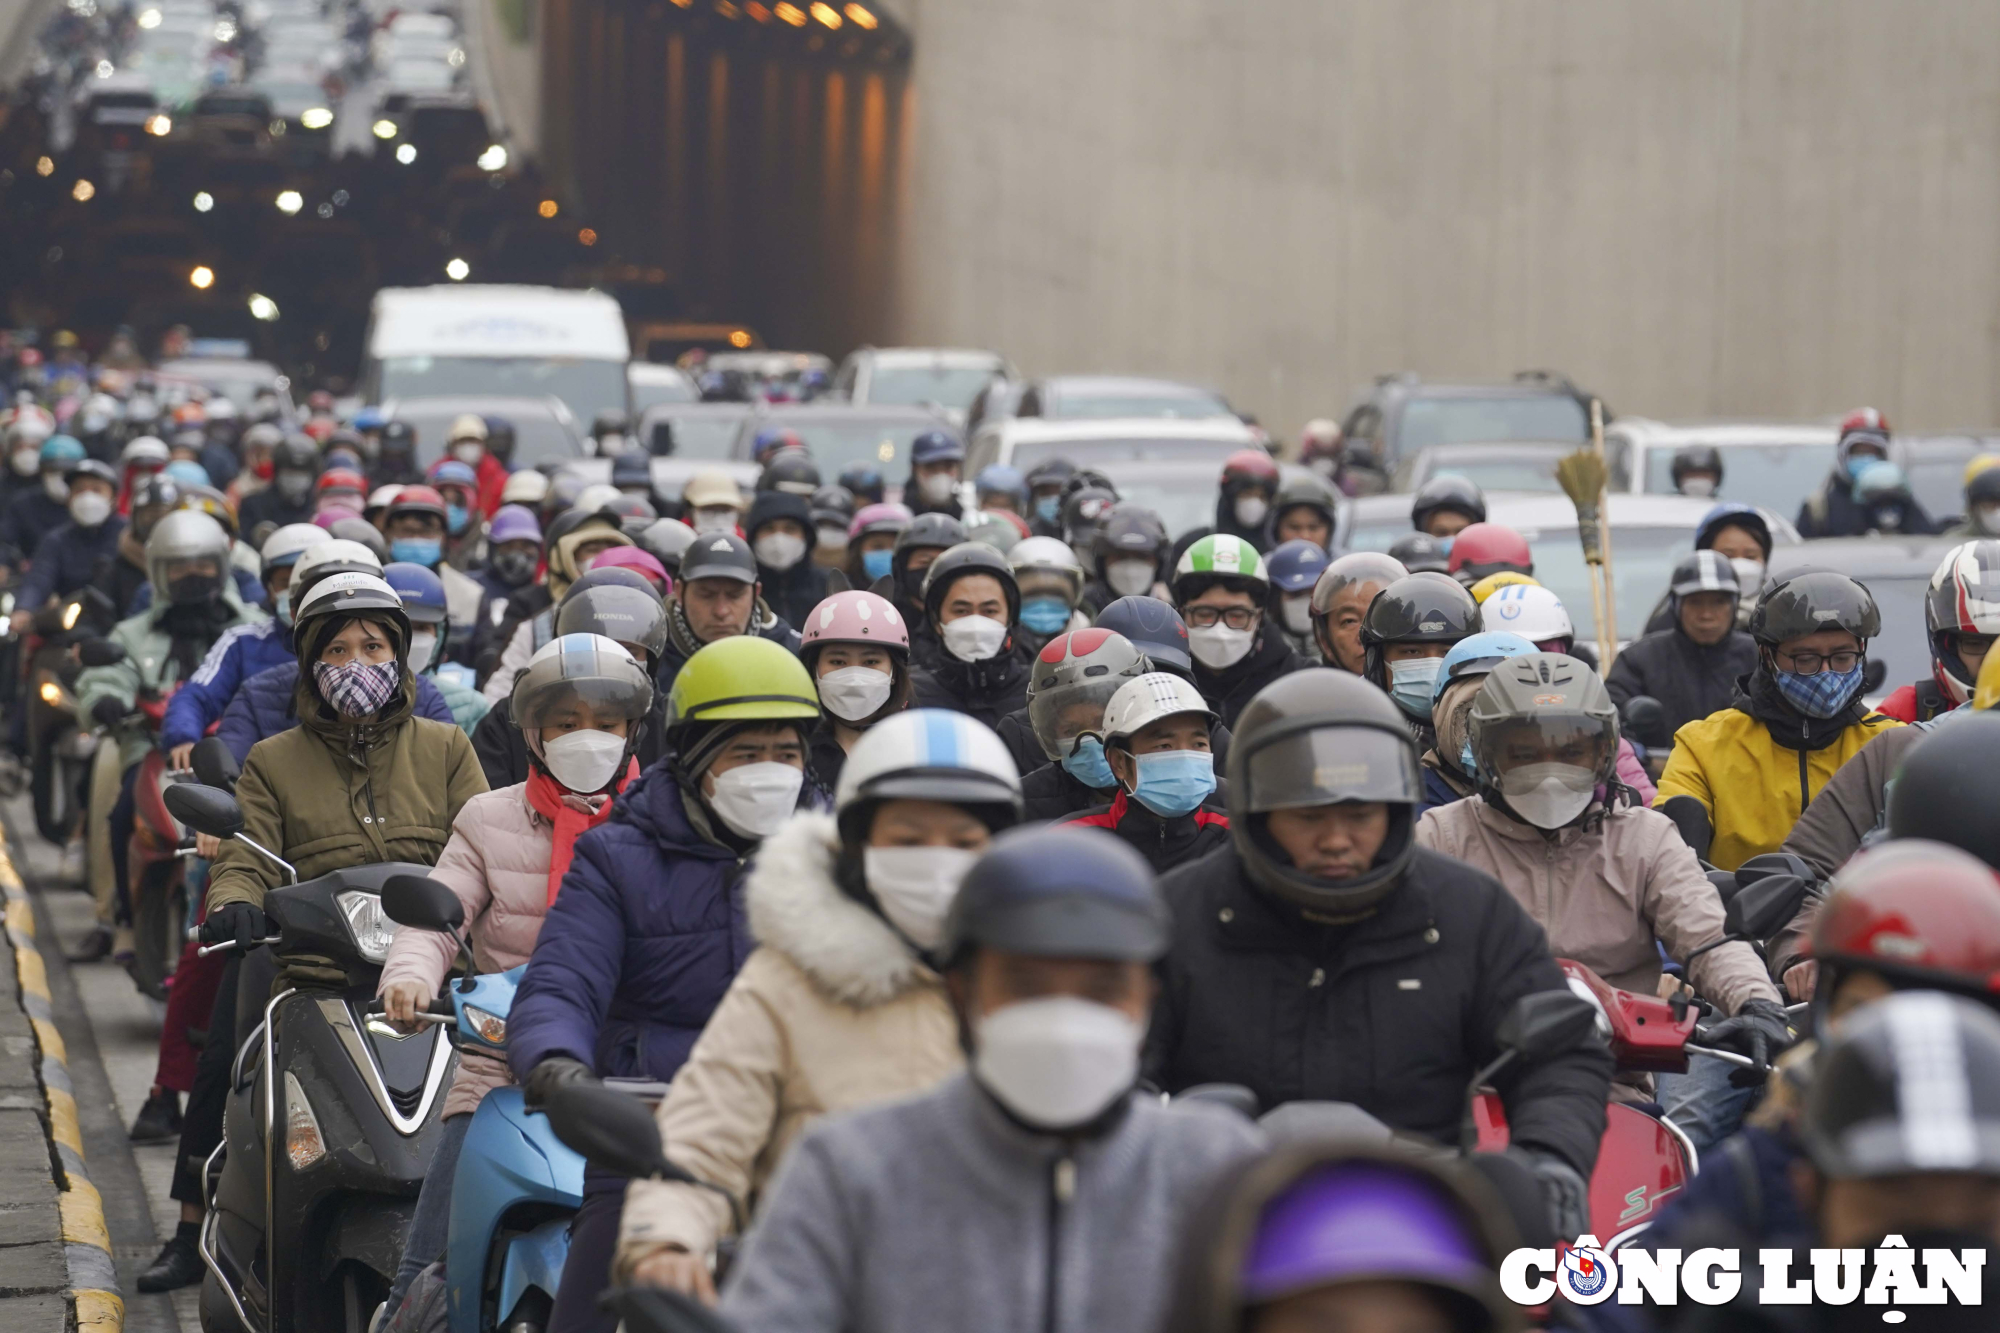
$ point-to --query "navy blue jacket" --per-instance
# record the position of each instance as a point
(644, 938)
(262, 707)
(30, 515)
(1436, 791)
(63, 560)
(242, 652)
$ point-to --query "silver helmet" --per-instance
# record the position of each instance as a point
(1544, 736)
(187, 558)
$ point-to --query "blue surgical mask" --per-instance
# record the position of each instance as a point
(424, 551)
(456, 517)
(1466, 763)
(1045, 615)
(1086, 763)
(1412, 682)
(875, 564)
(1857, 461)
(1444, 544)
(1048, 508)
(281, 607)
(1173, 783)
(1823, 695)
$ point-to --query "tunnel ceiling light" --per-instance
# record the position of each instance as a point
(83, 191)
(150, 19)
(547, 208)
(203, 201)
(739, 337)
(756, 11)
(791, 14)
(105, 69)
(457, 57)
(861, 18)
(457, 270)
(587, 236)
(45, 166)
(826, 13)
(290, 202)
(159, 126)
(316, 117)
(385, 129)
(406, 153)
(493, 159)
(727, 10)
(263, 307)
(202, 278)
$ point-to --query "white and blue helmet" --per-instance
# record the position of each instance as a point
(929, 754)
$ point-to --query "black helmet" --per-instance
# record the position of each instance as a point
(362, 531)
(1130, 529)
(1084, 511)
(1447, 490)
(1060, 892)
(667, 540)
(969, 558)
(790, 469)
(297, 453)
(499, 438)
(1696, 458)
(933, 531)
(1945, 789)
(1154, 628)
(1320, 737)
(1308, 489)
(1810, 601)
(1875, 1109)
(832, 506)
(399, 437)
(1420, 553)
(1982, 489)
(1417, 608)
(863, 481)
(617, 611)
(718, 555)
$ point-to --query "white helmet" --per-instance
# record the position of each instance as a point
(595, 496)
(1046, 555)
(289, 543)
(337, 552)
(29, 424)
(1146, 699)
(927, 754)
(1529, 610)
(527, 487)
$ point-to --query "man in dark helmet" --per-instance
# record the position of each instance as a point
(1322, 955)
(1405, 633)
(1697, 470)
(972, 607)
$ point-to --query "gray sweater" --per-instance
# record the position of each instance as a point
(939, 1212)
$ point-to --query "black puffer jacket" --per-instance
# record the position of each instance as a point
(1393, 1014)
(1228, 691)
(1689, 680)
(986, 690)
(1832, 511)
(1050, 793)
(1165, 842)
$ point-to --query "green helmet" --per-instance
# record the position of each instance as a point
(1220, 558)
(743, 678)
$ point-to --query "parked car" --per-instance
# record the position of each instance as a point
(946, 377)
(1403, 413)
(1023, 442)
(1074, 397)
(1774, 465)
(1516, 466)
(545, 431)
(1897, 570)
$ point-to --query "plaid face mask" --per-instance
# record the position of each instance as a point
(357, 689)
(1820, 696)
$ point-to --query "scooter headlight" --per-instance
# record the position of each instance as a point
(372, 930)
(489, 1028)
(304, 1144)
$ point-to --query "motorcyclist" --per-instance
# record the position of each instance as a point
(1696, 470)
(871, 542)
(864, 482)
(1446, 505)
(416, 525)
(1304, 510)
(24, 430)
(464, 526)
(718, 597)
(1052, 588)
(1086, 504)
(259, 446)
(1961, 620)
(1286, 941)
(395, 462)
(972, 607)
(935, 460)
(1340, 599)
(1837, 509)
(1040, 1188)
(64, 559)
(1046, 481)
(1407, 630)
(571, 541)
(34, 511)
(1451, 771)
(648, 931)
(513, 551)
(922, 540)
(1129, 557)
(1222, 591)
(1154, 737)
(122, 574)
(1480, 550)
(832, 508)
(501, 438)
(1982, 499)
(791, 470)
(1691, 668)
(856, 647)
(426, 602)
(295, 467)
(711, 501)
(1294, 568)
(580, 706)
(839, 1007)
(1055, 739)
(781, 534)
(1243, 502)
(1609, 881)
(465, 440)
(1738, 779)
(139, 458)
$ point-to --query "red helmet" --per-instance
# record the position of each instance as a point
(1923, 914)
(1489, 548)
(1862, 426)
(411, 500)
(347, 479)
(1249, 467)
(1864, 418)
(1964, 598)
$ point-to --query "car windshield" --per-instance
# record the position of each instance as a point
(650, 392)
(706, 435)
(1777, 477)
(538, 437)
(231, 106)
(947, 386)
(839, 443)
(1104, 407)
(587, 387)
(1180, 502)
(1504, 474)
(1939, 485)
(1083, 453)
(1468, 420)
(1904, 643)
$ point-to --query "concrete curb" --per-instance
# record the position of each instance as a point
(93, 1276)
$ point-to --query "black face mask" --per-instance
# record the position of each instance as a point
(191, 590)
(514, 568)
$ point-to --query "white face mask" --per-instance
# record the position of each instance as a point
(1548, 795)
(1219, 647)
(586, 761)
(1987, 517)
(1250, 510)
(938, 487)
(779, 550)
(755, 799)
(90, 508)
(1059, 1062)
(832, 539)
(1298, 612)
(26, 462)
(714, 520)
(1129, 578)
(55, 487)
(856, 693)
(468, 452)
(422, 645)
(1699, 487)
(973, 638)
(1749, 577)
(915, 885)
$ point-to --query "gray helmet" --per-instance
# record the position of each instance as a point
(1813, 600)
(586, 669)
(626, 615)
(1537, 715)
(186, 534)
(1047, 555)
(1084, 667)
(1704, 571)
(1908, 1084)
(667, 540)
(1322, 737)
(1305, 488)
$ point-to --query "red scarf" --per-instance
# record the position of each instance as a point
(572, 815)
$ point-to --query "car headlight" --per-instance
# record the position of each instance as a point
(372, 930)
(304, 1144)
(489, 1028)
(316, 117)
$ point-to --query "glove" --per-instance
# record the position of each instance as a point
(549, 1075)
(244, 923)
(1566, 1193)
(1759, 1030)
(108, 712)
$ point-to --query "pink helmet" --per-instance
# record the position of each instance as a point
(639, 562)
(333, 513)
(855, 617)
(878, 518)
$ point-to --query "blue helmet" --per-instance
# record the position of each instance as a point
(1477, 654)
(1154, 628)
(935, 446)
(999, 479)
(421, 590)
(451, 472)
(1294, 566)
(370, 418)
(1748, 517)
(188, 472)
(65, 451)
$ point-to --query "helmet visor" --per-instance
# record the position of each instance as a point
(1327, 765)
(1062, 712)
(1563, 738)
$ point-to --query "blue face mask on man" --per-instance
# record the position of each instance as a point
(457, 518)
(1048, 508)
(1823, 695)
(1412, 683)
(1173, 783)
(875, 564)
(1086, 763)
(425, 551)
(1045, 615)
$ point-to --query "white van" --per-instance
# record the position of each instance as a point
(466, 339)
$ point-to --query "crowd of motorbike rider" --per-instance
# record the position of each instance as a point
(931, 848)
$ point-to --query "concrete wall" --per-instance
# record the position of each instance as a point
(1772, 207)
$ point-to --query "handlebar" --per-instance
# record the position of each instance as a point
(1727, 1057)
(227, 945)
(439, 1010)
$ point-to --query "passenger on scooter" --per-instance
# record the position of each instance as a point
(33, 512)
(1290, 941)
(1070, 682)
(121, 574)
(1222, 589)
(62, 561)
(581, 706)
(1040, 1188)
(649, 931)
(1608, 880)
(1155, 741)
(838, 1007)
(972, 608)
(1405, 633)
(857, 649)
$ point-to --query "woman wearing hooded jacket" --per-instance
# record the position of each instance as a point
(839, 1006)
(857, 649)
(580, 704)
(649, 929)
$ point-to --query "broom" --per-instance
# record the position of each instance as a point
(1583, 476)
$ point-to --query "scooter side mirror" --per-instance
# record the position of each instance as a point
(1646, 722)
(609, 1129)
(1873, 673)
(420, 901)
(204, 809)
(660, 1310)
(214, 765)
(1546, 1023)
(1762, 907)
(99, 653)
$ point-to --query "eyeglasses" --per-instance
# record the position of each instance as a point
(1206, 617)
(1811, 664)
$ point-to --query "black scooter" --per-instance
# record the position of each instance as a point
(333, 1114)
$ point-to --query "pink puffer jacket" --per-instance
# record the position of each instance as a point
(497, 862)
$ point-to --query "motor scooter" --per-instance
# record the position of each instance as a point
(59, 646)
(333, 1114)
(156, 866)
